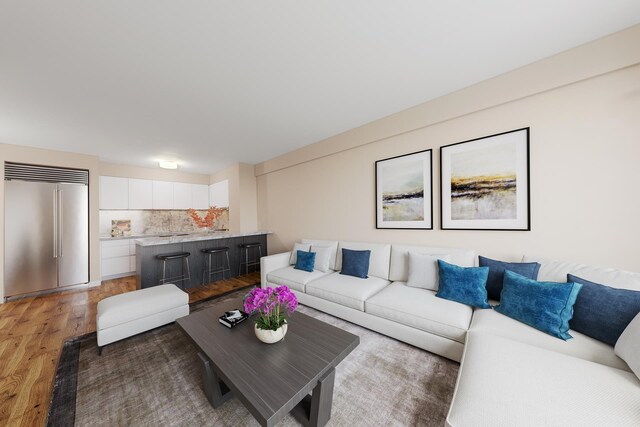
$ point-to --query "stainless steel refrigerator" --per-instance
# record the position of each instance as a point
(46, 229)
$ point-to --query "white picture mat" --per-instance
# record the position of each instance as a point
(521, 222)
(427, 223)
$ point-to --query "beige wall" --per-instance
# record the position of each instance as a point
(158, 174)
(14, 153)
(583, 109)
(243, 214)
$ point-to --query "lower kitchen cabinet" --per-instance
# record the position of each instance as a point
(118, 258)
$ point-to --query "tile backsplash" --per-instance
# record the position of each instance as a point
(157, 221)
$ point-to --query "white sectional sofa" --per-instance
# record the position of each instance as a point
(510, 374)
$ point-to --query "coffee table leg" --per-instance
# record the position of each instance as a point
(315, 410)
(215, 389)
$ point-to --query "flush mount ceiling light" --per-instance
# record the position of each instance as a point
(168, 165)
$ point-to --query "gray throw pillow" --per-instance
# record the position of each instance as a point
(423, 270)
(323, 258)
(298, 247)
(628, 345)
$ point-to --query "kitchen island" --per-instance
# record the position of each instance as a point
(149, 268)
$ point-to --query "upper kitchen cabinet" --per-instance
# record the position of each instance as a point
(199, 196)
(181, 195)
(162, 195)
(219, 194)
(140, 194)
(114, 192)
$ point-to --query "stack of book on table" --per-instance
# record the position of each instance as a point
(233, 318)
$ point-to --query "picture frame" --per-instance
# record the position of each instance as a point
(404, 191)
(485, 183)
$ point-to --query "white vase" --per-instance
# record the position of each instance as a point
(270, 337)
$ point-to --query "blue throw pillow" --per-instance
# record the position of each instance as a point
(603, 312)
(547, 306)
(305, 261)
(355, 263)
(497, 269)
(466, 285)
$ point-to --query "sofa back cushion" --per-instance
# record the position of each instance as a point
(378, 262)
(399, 269)
(331, 244)
(556, 271)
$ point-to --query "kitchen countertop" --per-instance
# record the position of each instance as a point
(194, 237)
(105, 237)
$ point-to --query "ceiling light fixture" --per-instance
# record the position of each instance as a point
(168, 165)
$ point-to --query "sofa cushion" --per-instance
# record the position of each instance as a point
(346, 290)
(323, 257)
(420, 309)
(509, 383)
(378, 262)
(556, 271)
(294, 252)
(355, 263)
(497, 269)
(581, 346)
(603, 312)
(399, 268)
(463, 284)
(295, 279)
(305, 261)
(547, 306)
(423, 270)
(331, 244)
(628, 346)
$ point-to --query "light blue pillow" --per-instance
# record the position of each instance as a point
(305, 261)
(355, 263)
(466, 285)
(547, 306)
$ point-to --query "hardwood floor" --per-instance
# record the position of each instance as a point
(32, 331)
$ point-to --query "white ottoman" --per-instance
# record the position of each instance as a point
(131, 313)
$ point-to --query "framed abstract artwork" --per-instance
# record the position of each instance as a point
(484, 183)
(404, 196)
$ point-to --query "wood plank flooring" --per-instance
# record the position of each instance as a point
(32, 331)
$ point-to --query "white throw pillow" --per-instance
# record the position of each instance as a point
(628, 345)
(323, 258)
(423, 270)
(298, 247)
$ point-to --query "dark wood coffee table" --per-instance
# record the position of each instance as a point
(271, 380)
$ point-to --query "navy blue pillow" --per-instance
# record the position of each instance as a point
(466, 285)
(497, 269)
(355, 263)
(547, 306)
(603, 312)
(305, 260)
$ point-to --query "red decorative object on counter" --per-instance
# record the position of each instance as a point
(213, 213)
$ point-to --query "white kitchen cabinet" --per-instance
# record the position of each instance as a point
(116, 258)
(140, 194)
(114, 192)
(199, 196)
(219, 194)
(181, 195)
(162, 195)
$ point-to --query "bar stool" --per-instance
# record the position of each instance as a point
(244, 249)
(184, 277)
(208, 266)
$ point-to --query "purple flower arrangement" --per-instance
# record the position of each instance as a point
(271, 306)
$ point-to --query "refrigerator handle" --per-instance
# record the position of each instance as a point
(60, 222)
(55, 223)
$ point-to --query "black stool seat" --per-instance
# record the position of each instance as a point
(215, 250)
(250, 245)
(175, 255)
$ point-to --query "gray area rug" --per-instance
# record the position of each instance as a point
(154, 379)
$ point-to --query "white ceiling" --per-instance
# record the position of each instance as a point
(213, 82)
